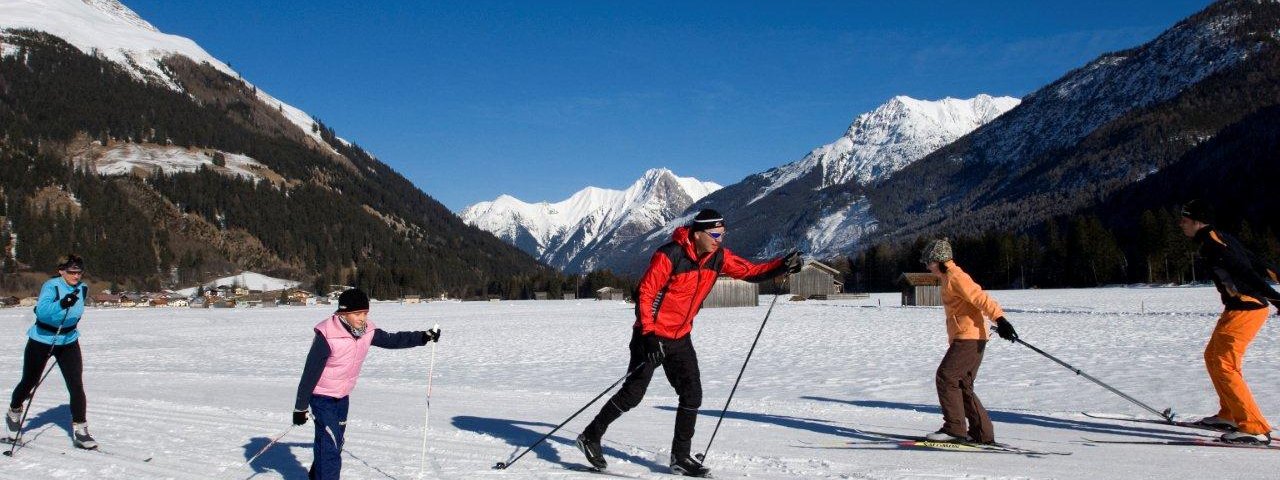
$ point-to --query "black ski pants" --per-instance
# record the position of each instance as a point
(681, 367)
(70, 363)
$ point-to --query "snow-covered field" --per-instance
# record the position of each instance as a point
(197, 391)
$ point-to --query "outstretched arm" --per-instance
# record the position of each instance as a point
(742, 269)
(382, 339)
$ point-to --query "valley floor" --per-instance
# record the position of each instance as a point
(184, 393)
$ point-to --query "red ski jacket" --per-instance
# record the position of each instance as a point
(677, 281)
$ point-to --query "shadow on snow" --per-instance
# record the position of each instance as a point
(515, 433)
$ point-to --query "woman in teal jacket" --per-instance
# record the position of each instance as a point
(54, 335)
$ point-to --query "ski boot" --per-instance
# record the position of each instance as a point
(1217, 423)
(943, 436)
(81, 438)
(591, 448)
(688, 466)
(13, 420)
(1246, 438)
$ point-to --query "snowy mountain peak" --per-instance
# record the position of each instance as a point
(124, 14)
(884, 140)
(113, 31)
(566, 234)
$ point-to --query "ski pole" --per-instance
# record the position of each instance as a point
(504, 465)
(56, 335)
(1166, 415)
(269, 445)
(431, 373)
(703, 455)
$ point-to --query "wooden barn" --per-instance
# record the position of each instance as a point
(610, 293)
(920, 289)
(815, 280)
(731, 292)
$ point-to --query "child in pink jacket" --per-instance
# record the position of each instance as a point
(332, 368)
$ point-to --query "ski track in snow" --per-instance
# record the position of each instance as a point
(198, 391)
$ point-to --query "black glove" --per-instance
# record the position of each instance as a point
(794, 262)
(68, 301)
(299, 417)
(1005, 330)
(432, 335)
(654, 349)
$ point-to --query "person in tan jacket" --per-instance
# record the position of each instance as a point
(968, 309)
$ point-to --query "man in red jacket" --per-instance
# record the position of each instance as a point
(680, 275)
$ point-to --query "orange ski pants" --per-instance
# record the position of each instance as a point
(1224, 358)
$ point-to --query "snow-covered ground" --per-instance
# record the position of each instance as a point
(197, 391)
(125, 158)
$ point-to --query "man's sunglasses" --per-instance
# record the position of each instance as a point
(716, 235)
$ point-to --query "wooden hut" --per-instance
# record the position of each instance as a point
(920, 289)
(611, 293)
(570, 296)
(731, 292)
(815, 280)
(540, 296)
(411, 299)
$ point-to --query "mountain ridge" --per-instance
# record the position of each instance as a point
(566, 234)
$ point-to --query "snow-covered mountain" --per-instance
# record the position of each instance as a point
(885, 140)
(1113, 121)
(1064, 149)
(573, 233)
(110, 30)
(812, 204)
(126, 101)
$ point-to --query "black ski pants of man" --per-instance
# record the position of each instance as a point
(959, 403)
(681, 367)
(69, 362)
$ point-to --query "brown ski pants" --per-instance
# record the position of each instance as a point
(955, 392)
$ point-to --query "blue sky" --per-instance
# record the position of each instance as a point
(473, 99)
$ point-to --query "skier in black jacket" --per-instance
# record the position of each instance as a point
(1241, 277)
